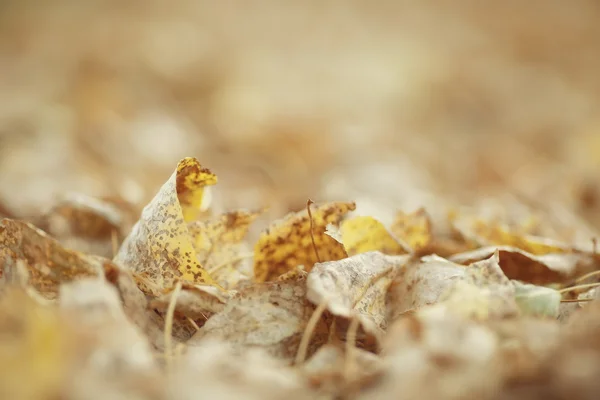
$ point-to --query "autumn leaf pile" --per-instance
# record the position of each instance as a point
(325, 304)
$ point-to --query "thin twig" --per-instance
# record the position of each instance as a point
(312, 235)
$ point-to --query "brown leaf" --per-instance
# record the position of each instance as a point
(287, 243)
(160, 248)
(48, 263)
(88, 224)
(355, 287)
(539, 270)
(195, 302)
(271, 315)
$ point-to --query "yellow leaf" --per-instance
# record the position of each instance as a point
(413, 228)
(191, 180)
(362, 234)
(159, 247)
(288, 242)
(220, 247)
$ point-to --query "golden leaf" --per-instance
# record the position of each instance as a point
(159, 247)
(362, 234)
(413, 228)
(287, 243)
(220, 247)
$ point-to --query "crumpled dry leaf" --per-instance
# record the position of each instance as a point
(48, 263)
(218, 370)
(88, 224)
(135, 304)
(421, 282)
(288, 243)
(483, 293)
(119, 347)
(195, 301)
(538, 270)
(219, 244)
(355, 287)
(160, 248)
(362, 234)
(270, 315)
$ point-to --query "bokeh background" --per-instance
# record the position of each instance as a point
(393, 104)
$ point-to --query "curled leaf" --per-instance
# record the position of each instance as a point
(89, 224)
(270, 315)
(159, 247)
(421, 282)
(538, 270)
(287, 243)
(355, 287)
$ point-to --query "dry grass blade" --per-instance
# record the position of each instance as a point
(169, 317)
(312, 233)
(308, 332)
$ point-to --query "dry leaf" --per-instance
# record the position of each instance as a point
(119, 347)
(288, 243)
(271, 315)
(537, 301)
(196, 302)
(220, 247)
(355, 287)
(538, 270)
(160, 248)
(88, 224)
(421, 282)
(48, 262)
(363, 234)
(413, 228)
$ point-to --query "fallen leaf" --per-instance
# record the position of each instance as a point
(363, 234)
(270, 315)
(537, 301)
(194, 301)
(288, 243)
(119, 345)
(538, 270)
(355, 287)
(159, 247)
(88, 224)
(219, 245)
(421, 282)
(48, 263)
(483, 293)
(413, 228)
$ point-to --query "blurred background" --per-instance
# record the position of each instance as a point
(393, 104)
